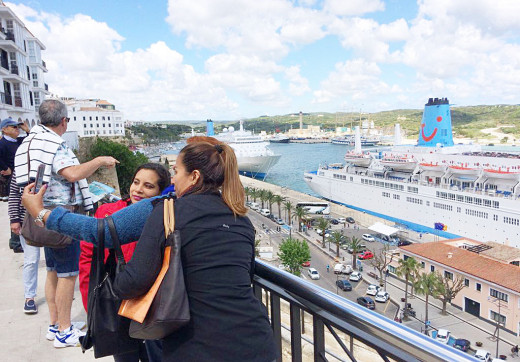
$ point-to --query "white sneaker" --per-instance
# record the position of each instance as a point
(69, 338)
(51, 332)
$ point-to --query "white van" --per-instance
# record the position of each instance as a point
(265, 212)
(254, 206)
(342, 269)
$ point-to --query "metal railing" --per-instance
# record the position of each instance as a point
(8, 99)
(43, 63)
(14, 69)
(46, 87)
(342, 321)
(9, 36)
(4, 63)
(18, 101)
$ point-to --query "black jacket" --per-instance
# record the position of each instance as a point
(227, 322)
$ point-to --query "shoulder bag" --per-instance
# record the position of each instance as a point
(164, 308)
(107, 331)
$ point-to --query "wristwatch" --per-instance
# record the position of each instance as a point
(39, 219)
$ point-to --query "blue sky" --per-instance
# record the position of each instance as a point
(230, 59)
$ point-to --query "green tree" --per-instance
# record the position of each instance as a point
(128, 161)
(300, 214)
(257, 245)
(247, 190)
(448, 289)
(262, 194)
(407, 269)
(336, 238)
(292, 253)
(288, 207)
(278, 200)
(323, 224)
(427, 284)
(354, 244)
(269, 196)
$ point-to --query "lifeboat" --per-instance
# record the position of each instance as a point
(400, 163)
(358, 159)
(432, 166)
(461, 170)
(502, 173)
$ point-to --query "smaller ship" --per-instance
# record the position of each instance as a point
(279, 138)
(350, 141)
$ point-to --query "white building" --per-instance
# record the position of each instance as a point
(94, 117)
(21, 69)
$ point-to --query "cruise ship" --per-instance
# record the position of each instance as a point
(435, 186)
(254, 157)
(349, 141)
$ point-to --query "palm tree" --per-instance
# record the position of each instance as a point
(300, 214)
(407, 268)
(288, 207)
(427, 284)
(254, 194)
(247, 190)
(323, 224)
(354, 244)
(336, 238)
(279, 199)
(262, 195)
(269, 198)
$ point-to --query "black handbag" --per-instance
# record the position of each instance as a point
(107, 331)
(169, 309)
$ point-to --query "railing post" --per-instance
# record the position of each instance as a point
(296, 336)
(276, 322)
(319, 339)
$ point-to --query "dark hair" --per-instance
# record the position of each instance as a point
(218, 169)
(161, 171)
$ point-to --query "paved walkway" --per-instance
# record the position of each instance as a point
(22, 337)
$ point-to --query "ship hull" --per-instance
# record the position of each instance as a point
(256, 166)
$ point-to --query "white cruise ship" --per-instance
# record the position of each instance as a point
(435, 186)
(254, 157)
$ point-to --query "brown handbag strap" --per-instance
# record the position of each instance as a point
(169, 217)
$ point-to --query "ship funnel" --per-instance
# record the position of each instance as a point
(209, 128)
(357, 141)
(397, 134)
(436, 124)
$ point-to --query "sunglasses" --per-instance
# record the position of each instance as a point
(14, 126)
(67, 119)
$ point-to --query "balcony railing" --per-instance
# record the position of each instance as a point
(14, 69)
(8, 99)
(346, 322)
(43, 63)
(18, 101)
(9, 36)
(4, 63)
(46, 87)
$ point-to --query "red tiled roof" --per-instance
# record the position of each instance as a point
(467, 262)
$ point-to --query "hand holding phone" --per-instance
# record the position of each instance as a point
(39, 178)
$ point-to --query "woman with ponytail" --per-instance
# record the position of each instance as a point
(228, 323)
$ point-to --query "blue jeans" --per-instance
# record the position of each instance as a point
(65, 261)
(31, 258)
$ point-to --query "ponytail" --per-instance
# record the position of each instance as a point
(233, 192)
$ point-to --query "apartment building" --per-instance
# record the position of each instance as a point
(491, 275)
(94, 117)
(22, 69)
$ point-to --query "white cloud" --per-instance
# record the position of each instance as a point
(353, 7)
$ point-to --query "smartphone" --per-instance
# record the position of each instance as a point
(39, 178)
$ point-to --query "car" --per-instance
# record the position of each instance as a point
(350, 220)
(382, 296)
(366, 302)
(342, 269)
(306, 264)
(368, 237)
(320, 232)
(355, 276)
(341, 220)
(360, 250)
(366, 255)
(372, 289)
(462, 344)
(404, 243)
(334, 221)
(279, 221)
(265, 212)
(254, 206)
(272, 217)
(443, 336)
(344, 285)
(313, 274)
(483, 355)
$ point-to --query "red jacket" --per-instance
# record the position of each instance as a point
(87, 248)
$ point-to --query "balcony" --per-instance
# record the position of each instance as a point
(46, 87)
(4, 63)
(7, 99)
(43, 63)
(18, 101)
(14, 69)
(352, 332)
(10, 36)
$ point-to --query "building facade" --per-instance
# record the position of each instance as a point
(22, 69)
(490, 272)
(94, 117)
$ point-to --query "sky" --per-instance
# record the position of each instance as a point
(177, 60)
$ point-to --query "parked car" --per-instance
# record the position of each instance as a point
(483, 355)
(366, 255)
(334, 221)
(355, 276)
(368, 237)
(366, 302)
(404, 243)
(443, 335)
(372, 289)
(320, 232)
(265, 212)
(361, 250)
(342, 220)
(313, 274)
(382, 296)
(272, 217)
(462, 344)
(350, 220)
(306, 264)
(279, 221)
(344, 285)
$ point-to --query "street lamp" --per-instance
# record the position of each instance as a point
(493, 300)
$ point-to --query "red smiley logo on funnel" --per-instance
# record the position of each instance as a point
(432, 135)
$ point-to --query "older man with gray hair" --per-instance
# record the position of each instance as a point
(65, 179)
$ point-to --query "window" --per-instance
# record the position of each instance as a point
(466, 282)
(84, 118)
(478, 287)
(74, 117)
(432, 268)
(405, 257)
(423, 264)
(448, 275)
(497, 317)
(498, 295)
